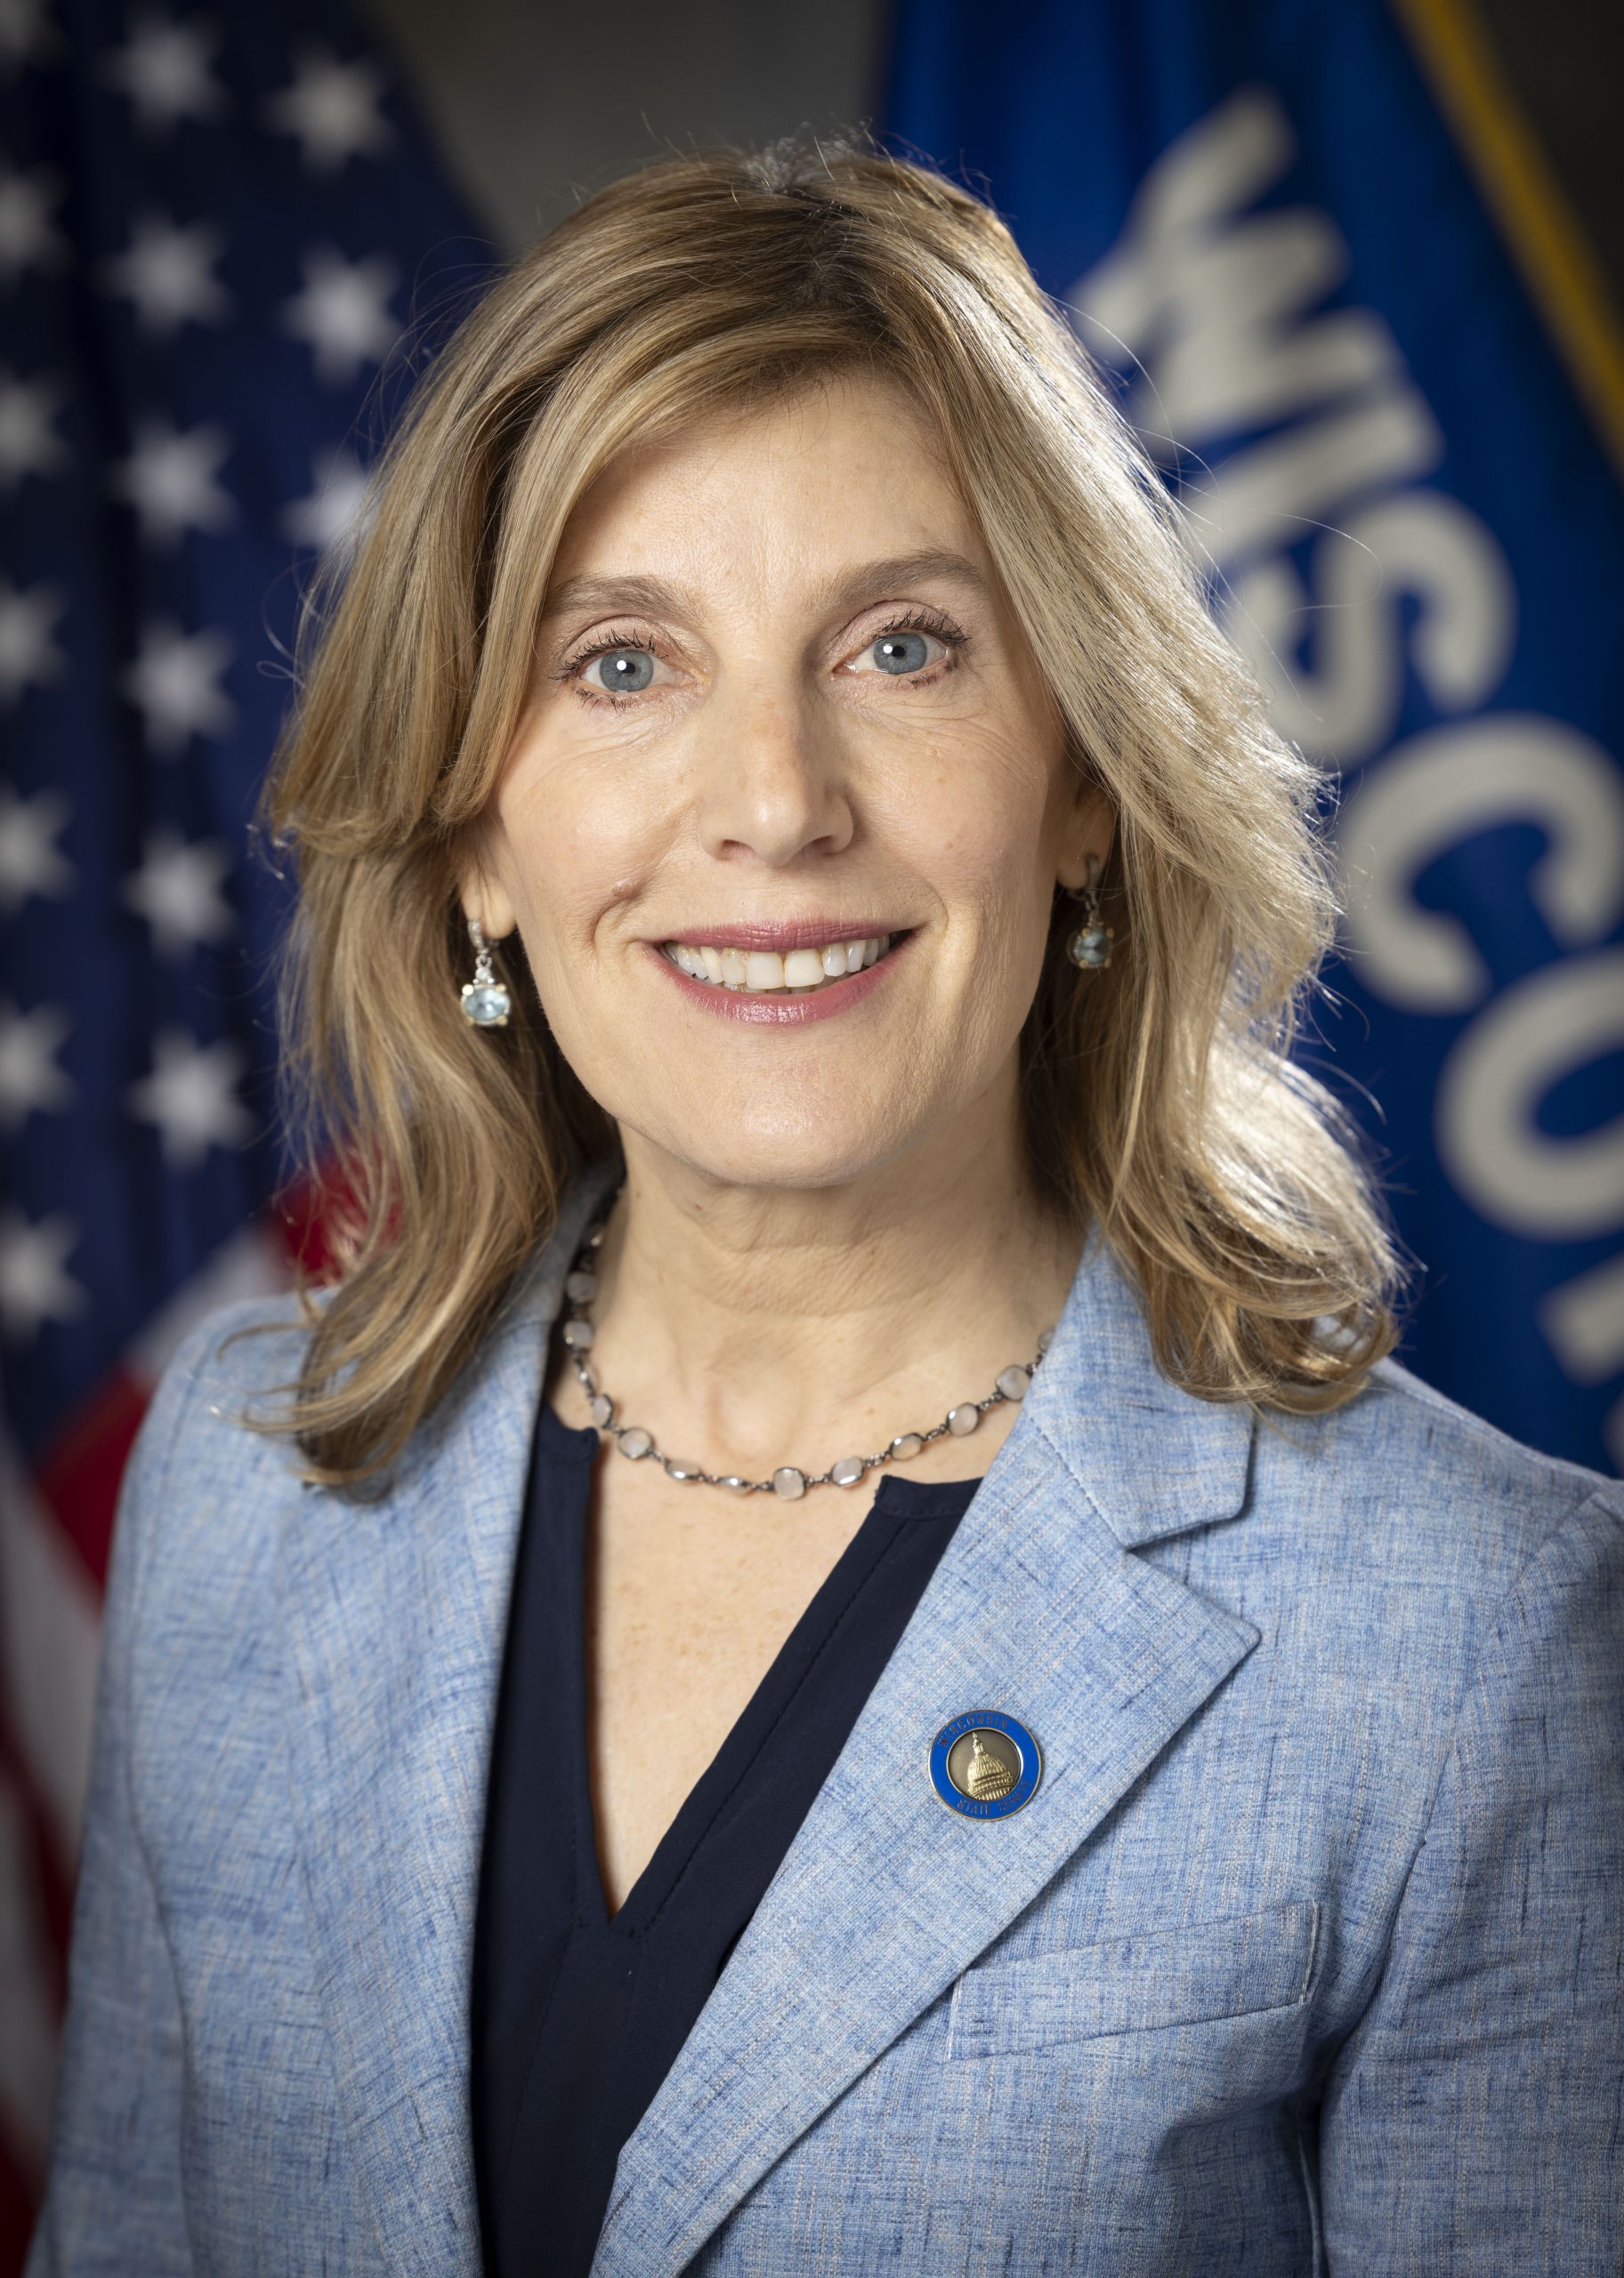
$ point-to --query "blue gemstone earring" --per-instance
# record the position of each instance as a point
(1090, 946)
(486, 1003)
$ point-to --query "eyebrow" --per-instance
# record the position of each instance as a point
(654, 597)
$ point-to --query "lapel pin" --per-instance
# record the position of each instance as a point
(984, 1765)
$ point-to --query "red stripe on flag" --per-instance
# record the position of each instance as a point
(19, 2203)
(46, 1894)
(319, 1217)
(79, 1471)
(51, 1876)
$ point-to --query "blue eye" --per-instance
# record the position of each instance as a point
(901, 652)
(629, 671)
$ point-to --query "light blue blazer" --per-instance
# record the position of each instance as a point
(1305, 1956)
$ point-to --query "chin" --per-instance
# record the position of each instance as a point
(787, 1170)
(757, 1142)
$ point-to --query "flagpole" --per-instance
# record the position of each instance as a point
(1520, 189)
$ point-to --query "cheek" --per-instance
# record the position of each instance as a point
(571, 847)
(984, 846)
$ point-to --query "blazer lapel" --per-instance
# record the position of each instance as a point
(885, 1898)
(395, 1613)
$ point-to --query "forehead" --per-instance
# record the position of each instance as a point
(845, 467)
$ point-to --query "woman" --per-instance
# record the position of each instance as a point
(682, 1742)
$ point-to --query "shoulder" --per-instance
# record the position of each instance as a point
(231, 1371)
(1422, 1526)
(203, 1487)
(216, 1474)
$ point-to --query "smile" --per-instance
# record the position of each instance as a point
(783, 976)
(802, 972)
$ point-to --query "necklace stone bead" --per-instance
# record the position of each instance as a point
(788, 1482)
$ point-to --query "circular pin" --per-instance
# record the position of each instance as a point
(985, 1765)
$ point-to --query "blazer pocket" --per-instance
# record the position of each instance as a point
(1138, 1984)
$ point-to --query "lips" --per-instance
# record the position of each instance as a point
(783, 935)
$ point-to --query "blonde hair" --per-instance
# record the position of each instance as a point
(1159, 1104)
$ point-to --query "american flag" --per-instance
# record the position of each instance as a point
(225, 250)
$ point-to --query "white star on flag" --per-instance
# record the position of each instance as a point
(174, 684)
(169, 479)
(29, 1077)
(27, 35)
(27, 651)
(330, 514)
(332, 108)
(29, 237)
(166, 272)
(165, 72)
(30, 863)
(35, 1285)
(191, 1097)
(343, 312)
(177, 890)
(29, 442)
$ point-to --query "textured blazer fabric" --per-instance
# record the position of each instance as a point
(1306, 1955)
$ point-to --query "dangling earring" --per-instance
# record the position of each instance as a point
(1090, 946)
(486, 1003)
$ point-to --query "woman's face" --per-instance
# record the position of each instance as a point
(780, 711)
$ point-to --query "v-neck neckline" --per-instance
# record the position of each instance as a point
(897, 1502)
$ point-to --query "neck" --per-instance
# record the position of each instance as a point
(751, 1326)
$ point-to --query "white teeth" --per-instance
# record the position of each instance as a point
(761, 970)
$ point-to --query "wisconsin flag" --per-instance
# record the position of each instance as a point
(1317, 253)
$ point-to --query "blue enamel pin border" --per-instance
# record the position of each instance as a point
(991, 1720)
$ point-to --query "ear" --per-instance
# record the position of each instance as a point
(482, 894)
(1091, 834)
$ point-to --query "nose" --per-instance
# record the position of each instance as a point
(773, 786)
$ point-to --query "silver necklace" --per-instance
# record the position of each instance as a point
(788, 1482)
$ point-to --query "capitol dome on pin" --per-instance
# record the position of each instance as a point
(989, 1779)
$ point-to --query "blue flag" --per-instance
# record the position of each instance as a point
(1263, 230)
(216, 230)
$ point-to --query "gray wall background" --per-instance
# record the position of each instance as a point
(536, 105)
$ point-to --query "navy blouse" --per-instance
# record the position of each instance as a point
(577, 2015)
